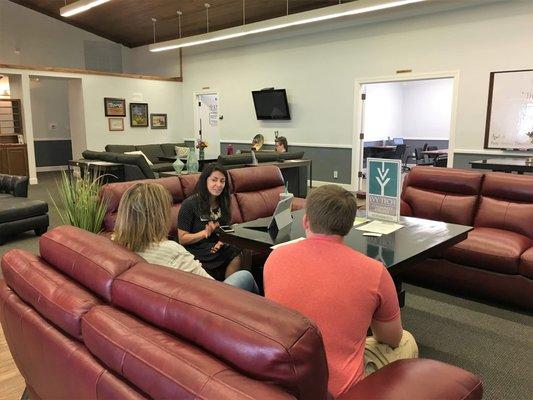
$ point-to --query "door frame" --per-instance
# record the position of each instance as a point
(358, 114)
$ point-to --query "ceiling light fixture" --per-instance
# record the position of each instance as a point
(79, 7)
(322, 14)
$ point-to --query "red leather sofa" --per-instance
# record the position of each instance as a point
(496, 260)
(89, 319)
(254, 194)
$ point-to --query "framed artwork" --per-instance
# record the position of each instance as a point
(116, 124)
(510, 111)
(138, 115)
(158, 121)
(114, 107)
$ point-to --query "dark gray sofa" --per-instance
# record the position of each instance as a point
(241, 160)
(152, 151)
(17, 213)
(135, 166)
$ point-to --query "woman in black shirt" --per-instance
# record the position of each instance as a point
(199, 218)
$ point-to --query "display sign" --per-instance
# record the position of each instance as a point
(383, 189)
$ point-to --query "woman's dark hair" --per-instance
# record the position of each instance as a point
(283, 141)
(204, 195)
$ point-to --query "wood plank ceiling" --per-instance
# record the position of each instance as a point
(129, 21)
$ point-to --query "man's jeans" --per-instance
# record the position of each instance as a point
(243, 280)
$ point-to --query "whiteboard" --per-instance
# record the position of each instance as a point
(510, 111)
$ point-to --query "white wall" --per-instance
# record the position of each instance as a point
(319, 70)
(49, 104)
(383, 111)
(427, 109)
(162, 98)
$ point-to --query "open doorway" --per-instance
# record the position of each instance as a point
(51, 122)
(206, 122)
(408, 119)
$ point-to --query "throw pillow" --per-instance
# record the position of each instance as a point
(142, 154)
(182, 152)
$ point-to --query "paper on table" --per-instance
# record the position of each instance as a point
(360, 220)
(286, 243)
(383, 227)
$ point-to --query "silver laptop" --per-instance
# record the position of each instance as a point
(282, 213)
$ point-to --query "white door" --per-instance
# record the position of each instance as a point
(206, 123)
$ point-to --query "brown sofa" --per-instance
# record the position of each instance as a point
(254, 194)
(496, 261)
(90, 320)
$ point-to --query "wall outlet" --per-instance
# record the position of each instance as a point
(335, 174)
(52, 126)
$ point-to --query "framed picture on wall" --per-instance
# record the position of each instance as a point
(114, 107)
(138, 115)
(116, 124)
(510, 111)
(158, 121)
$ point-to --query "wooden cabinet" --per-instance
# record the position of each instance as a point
(14, 159)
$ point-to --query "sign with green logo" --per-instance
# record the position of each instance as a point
(383, 189)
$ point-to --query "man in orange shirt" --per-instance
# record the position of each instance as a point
(342, 290)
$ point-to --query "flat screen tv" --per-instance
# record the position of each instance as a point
(271, 104)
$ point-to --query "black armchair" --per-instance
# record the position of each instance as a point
(11, 185)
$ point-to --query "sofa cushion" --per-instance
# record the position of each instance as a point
(256, 178)
(235, 159)
(440, 206)
(507, 203)
(291, 155)
(55, 297)
(55, 366)
(169, 148)
(17, 208)
(152, 151)
(113, 192)
(258, 204)
(90, 259)
(267, 156)
(289, 353)
(188, 183)
(14, 185)
(526, 264)
(119, 148)
(490, 249)
(163, 366)
(447, 194)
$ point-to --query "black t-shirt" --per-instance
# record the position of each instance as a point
(190, 220)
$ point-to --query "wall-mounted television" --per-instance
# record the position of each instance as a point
(271, 104)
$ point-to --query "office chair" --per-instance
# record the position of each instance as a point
(421, 159)
(441, 161)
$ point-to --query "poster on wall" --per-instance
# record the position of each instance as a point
(114, 107)
(116, 124)
(383, 189)
(510, 111)
(158, 121)
(139, 115)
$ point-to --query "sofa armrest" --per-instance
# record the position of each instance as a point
(15, 185)
(417, 379)
(405, 209)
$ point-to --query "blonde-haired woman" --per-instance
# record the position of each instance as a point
(142, 225)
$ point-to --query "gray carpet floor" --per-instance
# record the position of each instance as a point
(493, 342)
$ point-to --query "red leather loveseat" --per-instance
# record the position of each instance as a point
(496, 260)
(254, 194)
(89, 319)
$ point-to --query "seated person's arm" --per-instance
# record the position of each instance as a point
(387, 323)
(186, 238)
(388, 332)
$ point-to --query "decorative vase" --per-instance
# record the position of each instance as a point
(192, 162)
(201, 154)
(178, 165)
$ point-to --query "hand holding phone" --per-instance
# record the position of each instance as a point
(227, 228)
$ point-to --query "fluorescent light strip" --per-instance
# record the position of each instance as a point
(178, 43)
(79, 7)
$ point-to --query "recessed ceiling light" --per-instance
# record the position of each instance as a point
(79, 7)
(323, 14)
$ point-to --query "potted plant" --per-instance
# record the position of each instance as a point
(80, 203)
